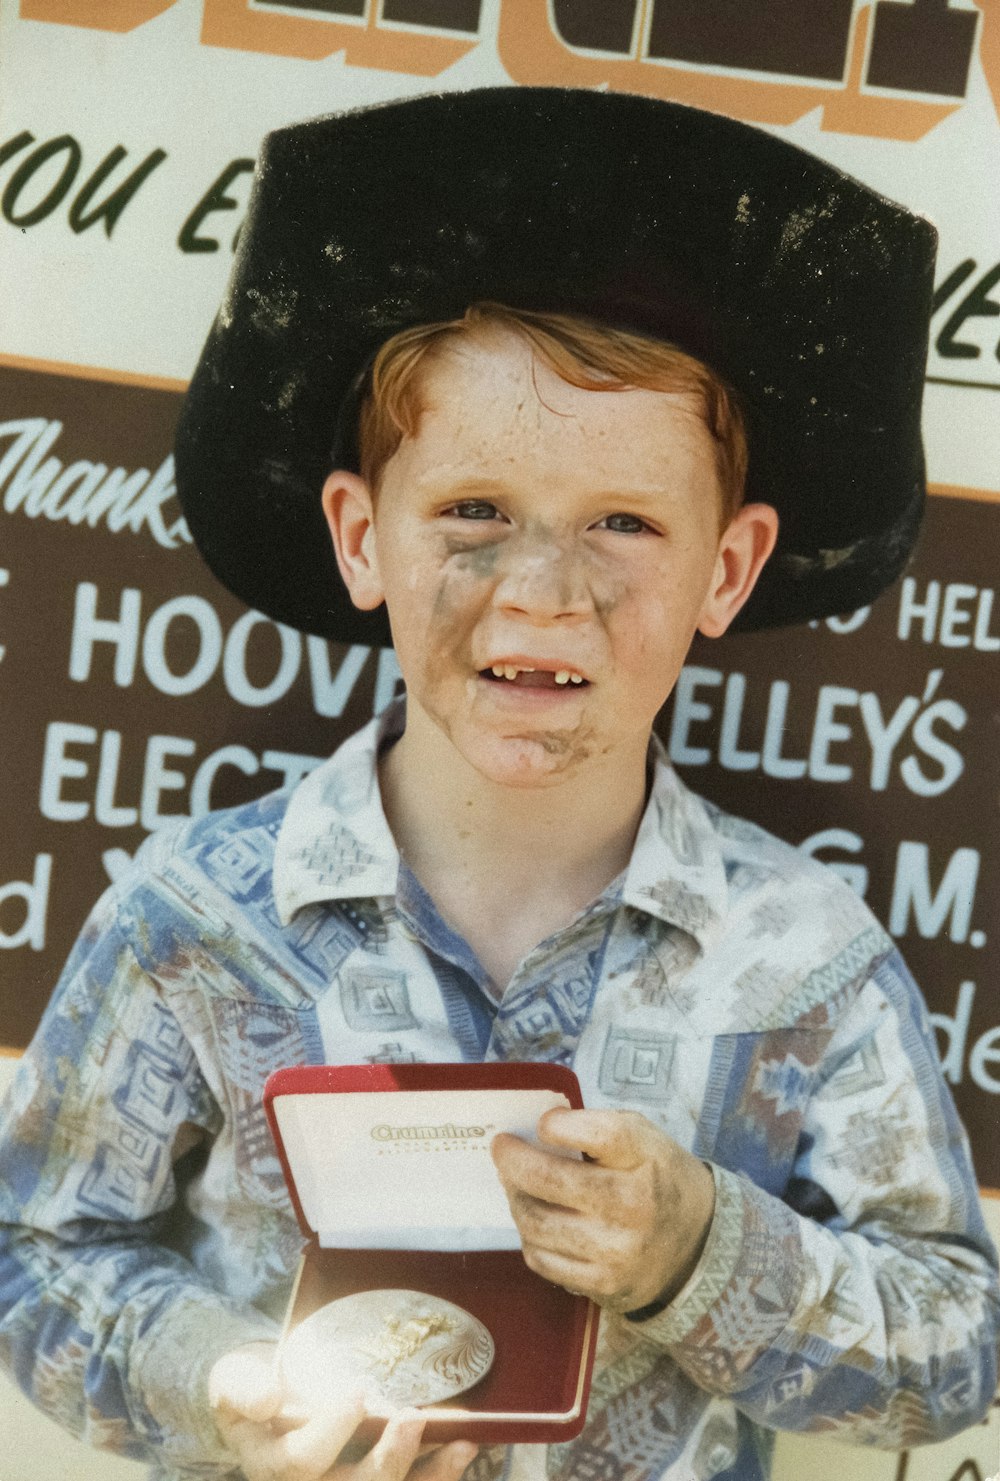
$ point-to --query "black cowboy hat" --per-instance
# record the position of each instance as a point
(806, 290)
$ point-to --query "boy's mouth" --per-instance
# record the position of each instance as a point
(533, 678)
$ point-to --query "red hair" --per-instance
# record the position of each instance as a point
(580, 351)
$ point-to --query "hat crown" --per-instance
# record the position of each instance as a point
(805, 289)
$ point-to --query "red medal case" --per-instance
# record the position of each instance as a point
(389, 1172)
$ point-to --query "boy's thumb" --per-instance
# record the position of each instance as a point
(247, 1383)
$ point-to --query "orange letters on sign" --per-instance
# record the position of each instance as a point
(232, 23)
(533, 52)
(878, 116)
(110, 15)
(989, 48)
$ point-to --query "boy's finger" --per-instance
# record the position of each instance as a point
(311, 1450)
(543, 1175)
(614, 1139)
(256, 1449)
(575, 1276)
(582, 1187)
(245, 1383)
(449, 1462)
(574, 1235)
(397, 1449)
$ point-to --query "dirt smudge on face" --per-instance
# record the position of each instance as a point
(480, 560)
(568, 745)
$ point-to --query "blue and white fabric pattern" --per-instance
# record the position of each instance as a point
(738, 995)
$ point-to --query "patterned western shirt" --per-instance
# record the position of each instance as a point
(737, 994)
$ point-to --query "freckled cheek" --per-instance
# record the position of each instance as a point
(646, 639)
(609, 597)
(624, 606)
(624, 586)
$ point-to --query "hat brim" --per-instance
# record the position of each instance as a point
(808, 291)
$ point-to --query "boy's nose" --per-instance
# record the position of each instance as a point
(544, 579)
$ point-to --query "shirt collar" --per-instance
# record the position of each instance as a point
(335, 842)
(676, 871)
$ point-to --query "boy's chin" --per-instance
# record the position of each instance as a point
(525, 762)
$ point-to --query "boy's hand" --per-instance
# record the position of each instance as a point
(277, 1437)
(625, 1227)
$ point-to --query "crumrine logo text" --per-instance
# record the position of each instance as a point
(446, 1137)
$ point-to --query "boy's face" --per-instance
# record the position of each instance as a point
(536, 530)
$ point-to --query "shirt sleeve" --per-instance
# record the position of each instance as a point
(864, 1302)
(103, 1326)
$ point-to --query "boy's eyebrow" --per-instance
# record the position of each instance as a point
(460, 485)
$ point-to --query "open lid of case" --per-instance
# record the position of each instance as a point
(398, 1156)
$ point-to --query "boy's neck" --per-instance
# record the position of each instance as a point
(519, 862)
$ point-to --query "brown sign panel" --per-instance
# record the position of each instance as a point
(135, 689)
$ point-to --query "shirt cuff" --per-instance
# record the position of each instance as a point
(751, 1259)
(170, 1365)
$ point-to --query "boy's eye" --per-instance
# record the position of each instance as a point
(624, 524)
(474, 509)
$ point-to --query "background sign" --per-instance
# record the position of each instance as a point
(133, 688)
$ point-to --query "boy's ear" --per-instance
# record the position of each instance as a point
(744, 547)
(350, 516)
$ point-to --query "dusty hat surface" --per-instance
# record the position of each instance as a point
(806, 290)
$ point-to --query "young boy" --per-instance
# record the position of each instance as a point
(540, 479)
